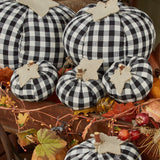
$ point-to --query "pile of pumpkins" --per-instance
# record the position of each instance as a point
(125, 37)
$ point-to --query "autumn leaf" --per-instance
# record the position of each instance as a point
(22, 119)
(27, 137)
(5, 75)
(119, 108)
(49, 145)
(6, 102)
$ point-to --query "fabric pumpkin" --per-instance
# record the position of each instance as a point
(25, 36)
(137, 87)
(39, 88)
(79, 94)
(86, 150)
(129, 32)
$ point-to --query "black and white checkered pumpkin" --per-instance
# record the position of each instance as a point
(129, 32)
(86, 151)
(39, 88)
(137, 87)
(79, 94)
(25, 36)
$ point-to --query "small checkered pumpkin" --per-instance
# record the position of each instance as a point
(79, 94)
(137, 87)
(86, 151)
(36, 89)
(25, 36)
(129, 32)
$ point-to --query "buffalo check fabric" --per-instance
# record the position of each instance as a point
(39, 88)
(129, 32)
(86, 151)
(79, 94)
(25, 36)
(137, 87)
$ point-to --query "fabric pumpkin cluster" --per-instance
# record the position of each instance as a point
(126, 37)
(26, 36)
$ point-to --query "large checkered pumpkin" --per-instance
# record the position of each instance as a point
(79, 94)
(25, 36)
(129, 32)
(38, 88)
(137, 87)
(86, 151)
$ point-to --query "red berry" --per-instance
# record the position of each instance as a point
(134, 134)
(123, 134)
(142, 119)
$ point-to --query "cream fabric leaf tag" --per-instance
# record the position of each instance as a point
(90, 68)
(41, 7)
(109, 144)
(103, 10)
(120, 77)
(26, 73)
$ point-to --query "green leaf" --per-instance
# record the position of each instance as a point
(49, 145)
(27, 137)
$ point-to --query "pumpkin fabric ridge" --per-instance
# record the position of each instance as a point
(86, 150)
(137, 87)
(26, 36)
(39, 88)
(129, 32)
(79, 94)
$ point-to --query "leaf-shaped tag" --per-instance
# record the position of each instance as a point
(102, 10)
(26, 137)
(120, 77)
(26, 73)
(41, 7)
(107, 144)
(49, 145)
(22, 119)
(89, 68)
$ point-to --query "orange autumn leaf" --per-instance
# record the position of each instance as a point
(5, 75)
(118, 108)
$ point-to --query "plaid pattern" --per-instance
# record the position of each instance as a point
(86, 151)
(76, 93)
(137, 87)
(39, 88)
(25, 36)
(129, 32)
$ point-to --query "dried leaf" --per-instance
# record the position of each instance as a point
(6, 101)
(27, 137)
(153, 110)
(86, 111)
(5, 75)
(22, 119)
(50, 144)
(119, 108)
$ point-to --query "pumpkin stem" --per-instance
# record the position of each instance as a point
(30, 63)
(97, 140)
(80, 73)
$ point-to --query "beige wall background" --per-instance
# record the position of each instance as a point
(152, 8)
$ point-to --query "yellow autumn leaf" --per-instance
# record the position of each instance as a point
(6, 101)
(22, 119)
(2, 100)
